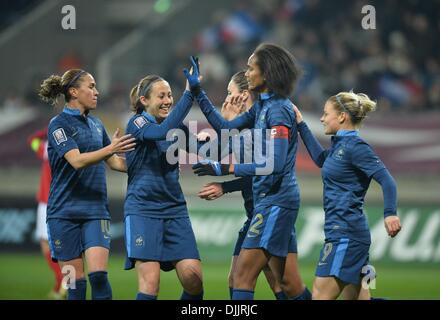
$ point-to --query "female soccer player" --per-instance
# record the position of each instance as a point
(347, 169)
(158, 231)
(78, 220)
(272, 73)
(238, 86)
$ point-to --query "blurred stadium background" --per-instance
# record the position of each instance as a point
(398, 64)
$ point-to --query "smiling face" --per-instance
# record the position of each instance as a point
(254, 75)
(159, 101)
(332, 119)
(86, 93)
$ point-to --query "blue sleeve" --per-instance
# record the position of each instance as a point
(105, 138)
(273, 164)
(236, 185)
(364, 158)
(60, 137)
(246, 120)
(316, 151)
(389, 190)
(146, 130)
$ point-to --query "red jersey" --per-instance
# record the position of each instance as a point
(38, 143)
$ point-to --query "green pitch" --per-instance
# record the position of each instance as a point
(26, 276)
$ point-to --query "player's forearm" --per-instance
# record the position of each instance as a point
(117, 163)
(314, 148)
(274, 164)
(389, 190)
(214, 117)
(174, 120)
(82, 160)
(236, 184)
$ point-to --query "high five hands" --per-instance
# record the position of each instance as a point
(193, 75)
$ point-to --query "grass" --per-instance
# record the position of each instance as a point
(26, 276)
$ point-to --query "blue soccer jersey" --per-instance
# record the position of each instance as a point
(279, 188)
(347, 169)
(346, 173)
(277, 185)
(153, 188)
(76, 194)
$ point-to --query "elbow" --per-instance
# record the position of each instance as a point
(77, 165)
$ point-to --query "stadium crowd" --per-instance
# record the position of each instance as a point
(398, 62)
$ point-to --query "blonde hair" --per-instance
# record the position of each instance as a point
(356, 105)
(143, 88)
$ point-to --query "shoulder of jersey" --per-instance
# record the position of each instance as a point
(56, 119)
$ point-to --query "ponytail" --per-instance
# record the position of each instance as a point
(55, 86)
(357, 106)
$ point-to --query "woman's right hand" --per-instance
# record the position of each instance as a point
(299, 117)
(122, 144)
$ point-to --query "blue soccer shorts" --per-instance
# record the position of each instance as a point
(69, 238)
(273, 229)
(164, 240)
(344, 259)
(242, 235)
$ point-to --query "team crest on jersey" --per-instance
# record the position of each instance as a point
(59, 136)
(339, 154)
(140, 122)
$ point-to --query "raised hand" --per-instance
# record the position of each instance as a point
(211, 191)
(210, 168)
(122, 144)
(233, 107)
(226, 111)
(193, 76)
